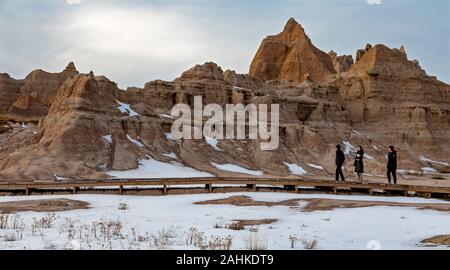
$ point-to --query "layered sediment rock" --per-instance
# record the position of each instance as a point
(290, 56)
(80, 125)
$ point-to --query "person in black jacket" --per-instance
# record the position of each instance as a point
(392, 164)
(340, 159)
(359, 164)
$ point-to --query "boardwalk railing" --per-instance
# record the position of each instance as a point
(253, 184)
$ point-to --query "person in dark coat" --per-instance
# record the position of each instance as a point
(340, 159)
(359, 163)
(392, 164)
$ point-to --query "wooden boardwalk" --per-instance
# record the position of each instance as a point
(121, 186)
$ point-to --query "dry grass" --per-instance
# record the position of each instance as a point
(254, 242)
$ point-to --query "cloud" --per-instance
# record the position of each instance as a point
(73, 2)
(374, 2)
(130, 43)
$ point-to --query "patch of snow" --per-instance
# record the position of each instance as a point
(348, 147)
(295, 169)
(238, 88)
(135, 141)
(108, 138)
(429, 170)
(151, 168)
(375, 147)
(161, 115)
(60, 178)
(237, 169)
(213, 142)
(23, 125)
(422, 158)
(125, 108)
(171, 155)
(169, 136)
(315, 166)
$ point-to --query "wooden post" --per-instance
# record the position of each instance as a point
(209, 187)
(165, 189)
(121, 189)
(74, 190)
(371, 192)
(296, 188)
(335, 190)
(27, 191)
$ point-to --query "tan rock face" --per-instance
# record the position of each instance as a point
(33, 98)
(9, 92)
(341, 63)
(82, 129)
(290, 56)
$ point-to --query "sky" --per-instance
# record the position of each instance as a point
(136, 41)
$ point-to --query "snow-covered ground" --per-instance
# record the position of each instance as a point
(237, 169)
(172, 222)
(152, 168)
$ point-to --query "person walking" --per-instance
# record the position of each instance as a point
(359, 163)
(340, 159)
(392, 165)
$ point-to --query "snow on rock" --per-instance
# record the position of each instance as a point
(151, 168)
(108, 138)
(422, 158)
(125, 108)
(237, 169)
(315, 166)
(169, 136)
(135, 141)
(213, 142)
(59, 178)
(348, 147)
(295, 169)
(162, 115)
(429, 170)
(171, 155)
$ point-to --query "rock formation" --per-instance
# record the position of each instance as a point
(74, 125)
(290, 56)
(341, 63)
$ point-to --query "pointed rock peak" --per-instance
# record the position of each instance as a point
(291, 23)
(71, 70)
(294, 29)
(289, 55)
(403, 51)
(70, 67)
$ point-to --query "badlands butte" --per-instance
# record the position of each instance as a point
(74, 125)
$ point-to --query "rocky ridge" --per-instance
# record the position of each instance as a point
(74, 125)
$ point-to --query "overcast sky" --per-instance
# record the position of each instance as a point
(135, 41)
